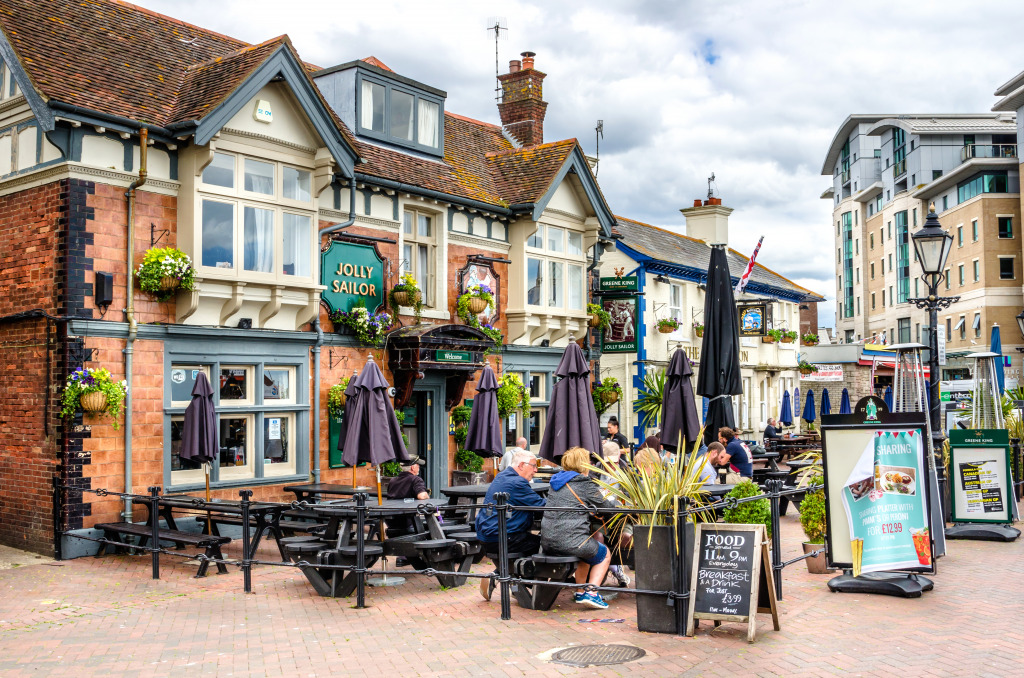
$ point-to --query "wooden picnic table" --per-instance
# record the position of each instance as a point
(314, 490)
(264, 516)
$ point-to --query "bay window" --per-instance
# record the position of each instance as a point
(555, 263)
(256, 213)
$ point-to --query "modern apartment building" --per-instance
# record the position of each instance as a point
(886, 170)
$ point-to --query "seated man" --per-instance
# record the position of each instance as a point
(708, 473)
(738, 456)
(506, 459)
(770, 431)
(408, 484)
(515, 480)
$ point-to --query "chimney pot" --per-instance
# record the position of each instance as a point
(528, 59)
(697, 202)
(514, 66)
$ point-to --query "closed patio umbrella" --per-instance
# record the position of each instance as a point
(678, 408)
(786, 411)
(809, 414)
(483, 435)
(826, 404)
(719, 376)
(373, 433)
(572, 419)
(844, 403)
(350, 400)
(997, 348)
(199, 434)
(887, 397)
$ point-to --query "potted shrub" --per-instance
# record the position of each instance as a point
(599, 317)
(649, 400)
(806, 368)
(471, 468)
(654, 539)
(668, 325)
(164, 270)
(698, 329)
(369, 328)
(512, 395)
(406, 293)
(388, 470)
(93, 391)
(757, 512)
(606, 393)
(812, 519)
(810, 339)
(788, 336)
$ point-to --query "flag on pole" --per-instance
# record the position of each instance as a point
(750, 267)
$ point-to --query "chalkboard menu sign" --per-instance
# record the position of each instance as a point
(730, 580)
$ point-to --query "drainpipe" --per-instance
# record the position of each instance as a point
(315, 452)
(133, 328)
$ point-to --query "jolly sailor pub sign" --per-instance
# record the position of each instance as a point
(352, 272)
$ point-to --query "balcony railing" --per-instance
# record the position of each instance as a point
(845, 177)
(988, 151)
(899, 168)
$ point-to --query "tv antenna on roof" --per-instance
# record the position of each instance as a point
(497, 24)
(599, 134)
(712, 186)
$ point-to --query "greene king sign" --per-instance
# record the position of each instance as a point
(351, 272)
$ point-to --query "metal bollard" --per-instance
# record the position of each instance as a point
(774, 487)
(58, 522)
(1018, 468)
(154, 521)
(360, 553)
(682, 568)
(501, 498)
(246, 495)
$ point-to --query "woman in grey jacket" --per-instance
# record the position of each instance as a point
(567, 533)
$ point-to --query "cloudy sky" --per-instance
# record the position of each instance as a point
(752, 91)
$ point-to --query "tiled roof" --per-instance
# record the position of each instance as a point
(115, 58)
(669, 247)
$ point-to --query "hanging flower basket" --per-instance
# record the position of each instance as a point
(610, 397)
(94, 402)
(404, 298)
(787, 340)
(169, 284)
(164, 270)
(668, 325)
(700, 333)
(595, 320)
(768, 340)
(477, 305)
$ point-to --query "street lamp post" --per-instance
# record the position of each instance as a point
(932, 245)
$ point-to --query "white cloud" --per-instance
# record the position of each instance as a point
(784, 76)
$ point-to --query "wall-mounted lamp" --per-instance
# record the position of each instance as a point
(660, 279)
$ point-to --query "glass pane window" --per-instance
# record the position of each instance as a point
(534, 281)
(259, 177)
(1005, 227)
(218, 234)
(575, 287)
(277, 384)
(1006, 268)
(536, 427)
(234, 384)
(423, 225)
(675, 303)
(258, 240)
(407, 223)
(296, 245)
(407, 258)
(278, 458)
(537, 239)
(220, 171)
(575, 244)
(183, 380)
(428, 123)
(977, 271)
(371, 106)
(423, 268)
(235, 448)
(537, 380)
(556, 239)
(296, 184)
(402, 115)
(556, 285)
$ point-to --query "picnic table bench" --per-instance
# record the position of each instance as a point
(211, 543)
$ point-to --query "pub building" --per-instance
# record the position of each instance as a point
(670, 269)
(295, 190)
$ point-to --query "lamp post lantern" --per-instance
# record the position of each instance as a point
(932, 246)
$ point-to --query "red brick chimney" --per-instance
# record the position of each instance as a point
(522, 106)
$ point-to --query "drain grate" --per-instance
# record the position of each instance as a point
(597, 655)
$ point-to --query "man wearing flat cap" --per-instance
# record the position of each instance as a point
(408, 484)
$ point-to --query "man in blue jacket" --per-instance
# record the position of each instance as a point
(515, 480)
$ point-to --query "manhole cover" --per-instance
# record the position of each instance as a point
(597, 655)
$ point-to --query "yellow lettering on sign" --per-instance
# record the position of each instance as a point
(335, 287)
(347, 269)
(373, 290)
(364, 289)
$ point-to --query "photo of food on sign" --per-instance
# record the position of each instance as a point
(896, 480)
(861, 488)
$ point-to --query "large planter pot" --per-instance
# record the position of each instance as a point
(404, 298)
(93, 402)
(477, 306)
(658, 569)
(460, 478)
(816, 564)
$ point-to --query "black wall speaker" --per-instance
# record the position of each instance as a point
(104, 289)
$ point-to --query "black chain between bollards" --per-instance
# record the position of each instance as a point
(503, 579)
(154, 520)
(360, 551)
(246, 561)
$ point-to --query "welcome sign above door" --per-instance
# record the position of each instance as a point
(352, 272)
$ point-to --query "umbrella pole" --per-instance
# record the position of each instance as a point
(380, 499)
(353, 475)
(206, 469)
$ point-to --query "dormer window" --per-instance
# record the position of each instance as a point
(394, 114)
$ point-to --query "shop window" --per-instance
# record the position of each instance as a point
(235, 460)
(536, 427)
(418, 251)
(183, 380)
(235, 385)
(277, 384)
(278, 456)
(182, 470)
(537, 390)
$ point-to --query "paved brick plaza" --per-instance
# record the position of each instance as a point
(96, 617)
